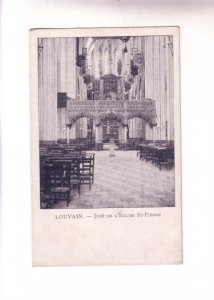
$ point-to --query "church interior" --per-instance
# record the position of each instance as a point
(106, 122)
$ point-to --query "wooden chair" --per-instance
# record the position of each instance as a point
(74, 169)
(164, 159)
(89, 164)
(59, 183)
(86, 174)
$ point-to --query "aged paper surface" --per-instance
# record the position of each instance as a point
(105, 117)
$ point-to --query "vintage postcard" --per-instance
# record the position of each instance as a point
(105, 146)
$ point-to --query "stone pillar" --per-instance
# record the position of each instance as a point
(96, 65)
(121, 136)
(99, 138)
(123, 142)
(125, 134)
(84, 127)
(48, 90)
(73, 131)
(153, 134)
(68, 134)
(102, 89)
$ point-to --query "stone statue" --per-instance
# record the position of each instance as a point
(112, 148)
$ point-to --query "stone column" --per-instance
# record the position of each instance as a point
(48, 90)
(124, 131)
(84, 127)
(121, 136)
(73, 131)
(102, 89)
(125, 134)
(67, 134)
(153, 134)
(99, 137)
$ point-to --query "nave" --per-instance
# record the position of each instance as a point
(123, 181)
(96, 93)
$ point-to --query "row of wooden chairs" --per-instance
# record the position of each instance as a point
(63, 176)
(161, 157)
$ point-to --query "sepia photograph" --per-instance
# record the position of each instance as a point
(106, 122)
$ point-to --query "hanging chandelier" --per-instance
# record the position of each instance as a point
(125, 50)
(124, 39)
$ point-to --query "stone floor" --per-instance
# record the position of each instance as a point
(124, 181)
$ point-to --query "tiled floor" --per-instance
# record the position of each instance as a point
(125, 181)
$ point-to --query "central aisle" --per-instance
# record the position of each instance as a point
(125, 181)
